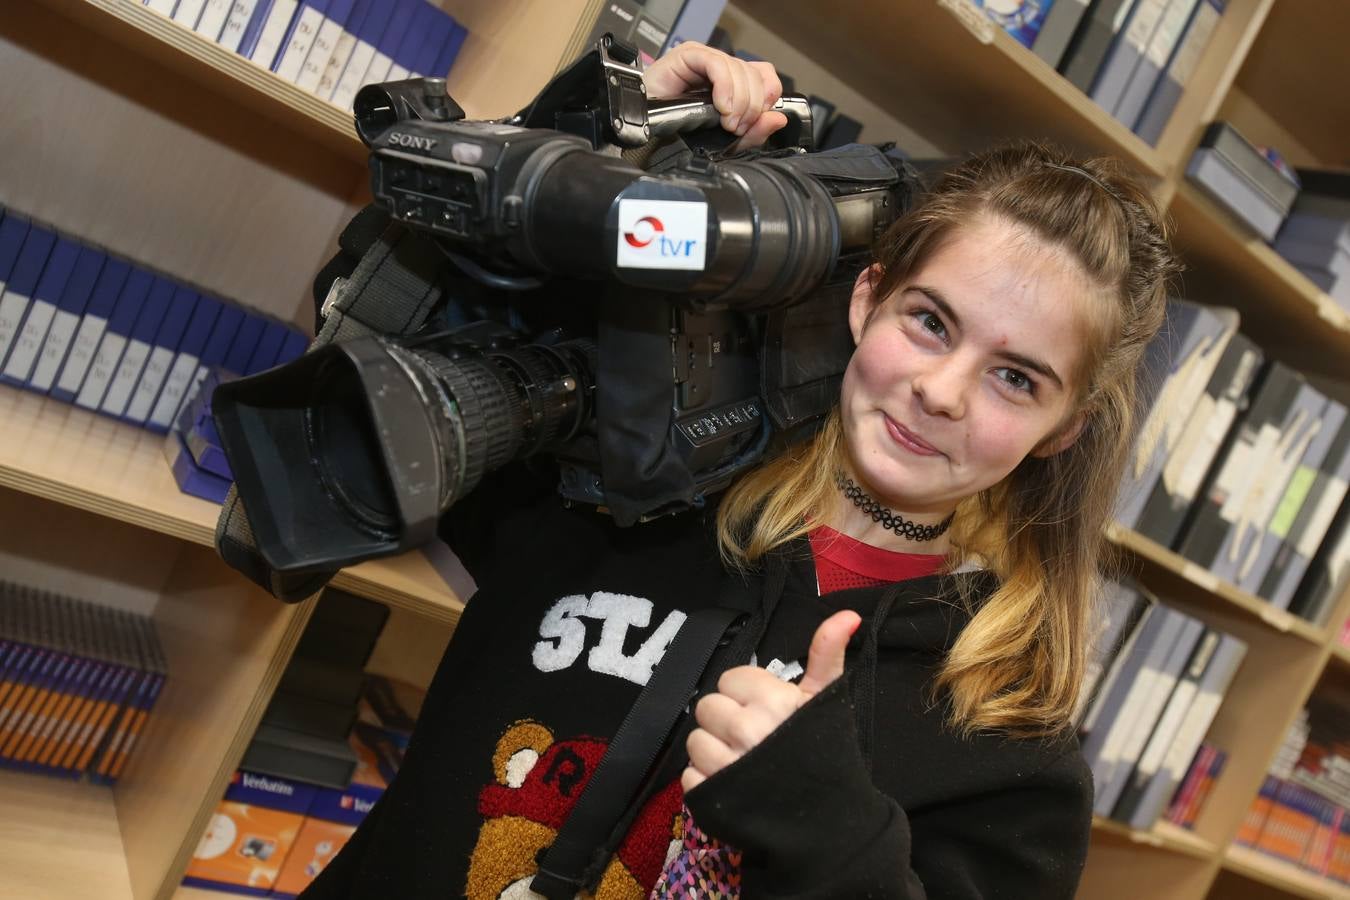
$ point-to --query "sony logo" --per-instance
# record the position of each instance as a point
(399, 139)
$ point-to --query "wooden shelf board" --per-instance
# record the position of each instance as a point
(1289, 878)
(1157, 555)
(1287, 314)
(1163, 835)
(923, 65)
(59, 839)
(92, 462)
(150, 34)
(1292, 87)
(1341, 654)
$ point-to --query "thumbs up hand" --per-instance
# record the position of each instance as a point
(750, 702)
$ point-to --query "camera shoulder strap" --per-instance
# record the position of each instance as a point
(570, 862)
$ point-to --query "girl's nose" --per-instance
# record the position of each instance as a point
(941, 389)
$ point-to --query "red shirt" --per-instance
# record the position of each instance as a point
(843, 562)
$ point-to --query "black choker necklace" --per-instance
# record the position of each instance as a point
(892, 521)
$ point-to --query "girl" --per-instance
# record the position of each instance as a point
(924, 570)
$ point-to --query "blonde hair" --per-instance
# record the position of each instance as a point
(1018, 663)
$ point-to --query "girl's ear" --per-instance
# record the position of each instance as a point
(863, 301)
(1062, 439)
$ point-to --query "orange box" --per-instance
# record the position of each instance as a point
(250, 835)
(314, 848)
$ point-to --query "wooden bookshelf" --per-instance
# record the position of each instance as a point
(959, 82)
(79, 458)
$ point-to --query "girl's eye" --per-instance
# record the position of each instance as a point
(932, 323)
(1017, 380)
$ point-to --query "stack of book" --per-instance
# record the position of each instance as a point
(1316, 236)
(78, 682)
(1253, 185)
(1241, 465)
(1132, 57)
(1300, 814)
(1153, 686)
(82, 325)
(330, 48)
(193, 447)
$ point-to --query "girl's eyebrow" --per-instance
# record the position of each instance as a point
(1042, 368)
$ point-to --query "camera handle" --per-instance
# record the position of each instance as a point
(694, 111)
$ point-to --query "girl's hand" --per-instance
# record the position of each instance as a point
(742, 91)
(751, 703)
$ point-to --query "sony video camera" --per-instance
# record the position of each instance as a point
(599, 278)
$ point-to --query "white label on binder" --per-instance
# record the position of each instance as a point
(124, 381)
(319, 54)
(29, 343)
(54, 350)
(235, 23)
(81, 353)
(337, 64)
(147, 389)
(12, 306)
(302, 39)
(365, 61)
(174, 388)
(274, 31)
(213, 18)
(101, 370)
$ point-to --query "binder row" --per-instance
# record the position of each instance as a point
(1302, 813)
(1133, 58)
(87, 327)
(330, 48)
(1241, 465)
(1155, 681)
(77, 683)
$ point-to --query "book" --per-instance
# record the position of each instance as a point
(66, 319)
(367, 40)
(1154, 60)
(32, 329)
(157, 364)
(696, 22)
(181, 370)
(236, 26)
(212, 19)
(1058, 28)
(187, 12)
(343, 46)
(22, 282)
(301, 757)
(1279, 546)
(1158, 108)
(1122, 58)
(140, 342)
(1241, 179)
(304, 26)
(213, 355)
(1020, 18)
(381, 65)
(1094, 38)
(325, 43)
(263, 44)
(423, 15)
(1119, 614)
(1328, 572)
(115, 336)
(1182, 729)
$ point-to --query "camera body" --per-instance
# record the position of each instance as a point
(655, 313)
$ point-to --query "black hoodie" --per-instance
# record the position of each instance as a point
(864, 792)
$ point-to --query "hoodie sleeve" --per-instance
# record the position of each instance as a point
(803, 810)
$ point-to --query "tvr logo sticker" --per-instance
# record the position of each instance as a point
(662, 234)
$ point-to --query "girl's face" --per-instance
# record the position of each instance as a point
(965, 370)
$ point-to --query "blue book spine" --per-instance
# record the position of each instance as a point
(1123, 57)
(299, 40)
(139, 344)
(185, 363)
(275, 27)
(369, 37)
(167, 341)
(400, 21)
(33, 330)
(343, 49)
(438, 28)
(69, 310)
(13, 232)
(1166, 95)
(245, 343)
(269, 347)
(248, 40)
(22, 284)
(90, 332)
(236, 25)
(108, 354)
(406, 53)
(213, 356)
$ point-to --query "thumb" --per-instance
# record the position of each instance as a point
(825, 660)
